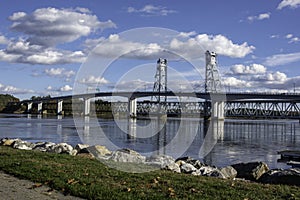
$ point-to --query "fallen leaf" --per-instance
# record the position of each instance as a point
(36, 185)
(72, 181)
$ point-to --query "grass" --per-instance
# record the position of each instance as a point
(90, 179)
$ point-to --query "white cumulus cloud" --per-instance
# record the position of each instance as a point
(93, 80)
(114, 46)
(259, 17)
(9, 89)
(187, 34)
(288, 36)
(66, 88)
(236, 83)
(3, 39)
(282, 59)
(288, 3)
(187, 47)
(151, 10)
(59, 72)
(240, 69)
(52, 26)
(22, 51)
(216, 43)
(44, 29)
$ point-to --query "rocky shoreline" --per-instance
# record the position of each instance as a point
(252, 171)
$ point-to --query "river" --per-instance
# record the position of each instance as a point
(232, 141)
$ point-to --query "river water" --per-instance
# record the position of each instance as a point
(230, 141)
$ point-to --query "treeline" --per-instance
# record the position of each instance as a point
(8, 103)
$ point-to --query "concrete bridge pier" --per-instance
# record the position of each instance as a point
(59, 107)
(29, 107)
(217, 111)
(40, 108)
(132, 105)
(87, 107)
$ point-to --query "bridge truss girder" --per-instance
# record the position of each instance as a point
(264, 109)
(250, 109)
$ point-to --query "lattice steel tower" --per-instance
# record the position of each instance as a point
(212, 78)
(160, 84)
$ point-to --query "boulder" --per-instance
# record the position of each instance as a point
(174, 167)
(282, 176)
(187, 168)
(3, 140)
(99, 151)
(82, 148)
(10, 142)
(229, 172)
(197, 173)
(251, 171)
(196, 163)
(208, 171)
(211, 171)
(24, 145)
(62, 148)
(127, 155)
(160, 160)
(216, 173)
(44, 146)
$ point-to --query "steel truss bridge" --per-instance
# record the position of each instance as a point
(211, 103)
(255, 109)
(250, 105)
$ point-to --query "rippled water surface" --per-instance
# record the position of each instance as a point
(236, 140)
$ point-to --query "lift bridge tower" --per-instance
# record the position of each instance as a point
(214, 109)
(212, 78)
(160, 84)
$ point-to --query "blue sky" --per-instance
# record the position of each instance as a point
(44, 43)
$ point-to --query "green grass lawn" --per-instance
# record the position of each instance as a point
(90, 179)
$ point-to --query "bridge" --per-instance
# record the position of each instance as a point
(258, 105)
(214, 102)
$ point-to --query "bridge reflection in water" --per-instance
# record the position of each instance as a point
(228, 141)
(153, 136)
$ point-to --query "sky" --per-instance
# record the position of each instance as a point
(59, 47)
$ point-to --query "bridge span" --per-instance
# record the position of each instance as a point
(235, 104)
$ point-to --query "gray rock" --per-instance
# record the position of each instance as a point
(24, 145)
(2, 141)
(197, 173)
(196, 163)
(164, 162)
(211, 171)
(62, 148)
(216, 173)
(251, 171)
(187, 168)
(127, 155)
(82, 148)
(99, 151)
(10, 142)
(205, 170)
(43, 146)
(174, 167)
(282, 176)
(160, 160)
(229, 172)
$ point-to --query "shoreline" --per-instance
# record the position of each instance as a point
(252, 171)
(88, 178)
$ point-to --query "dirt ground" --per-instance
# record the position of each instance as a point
(12, 188)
